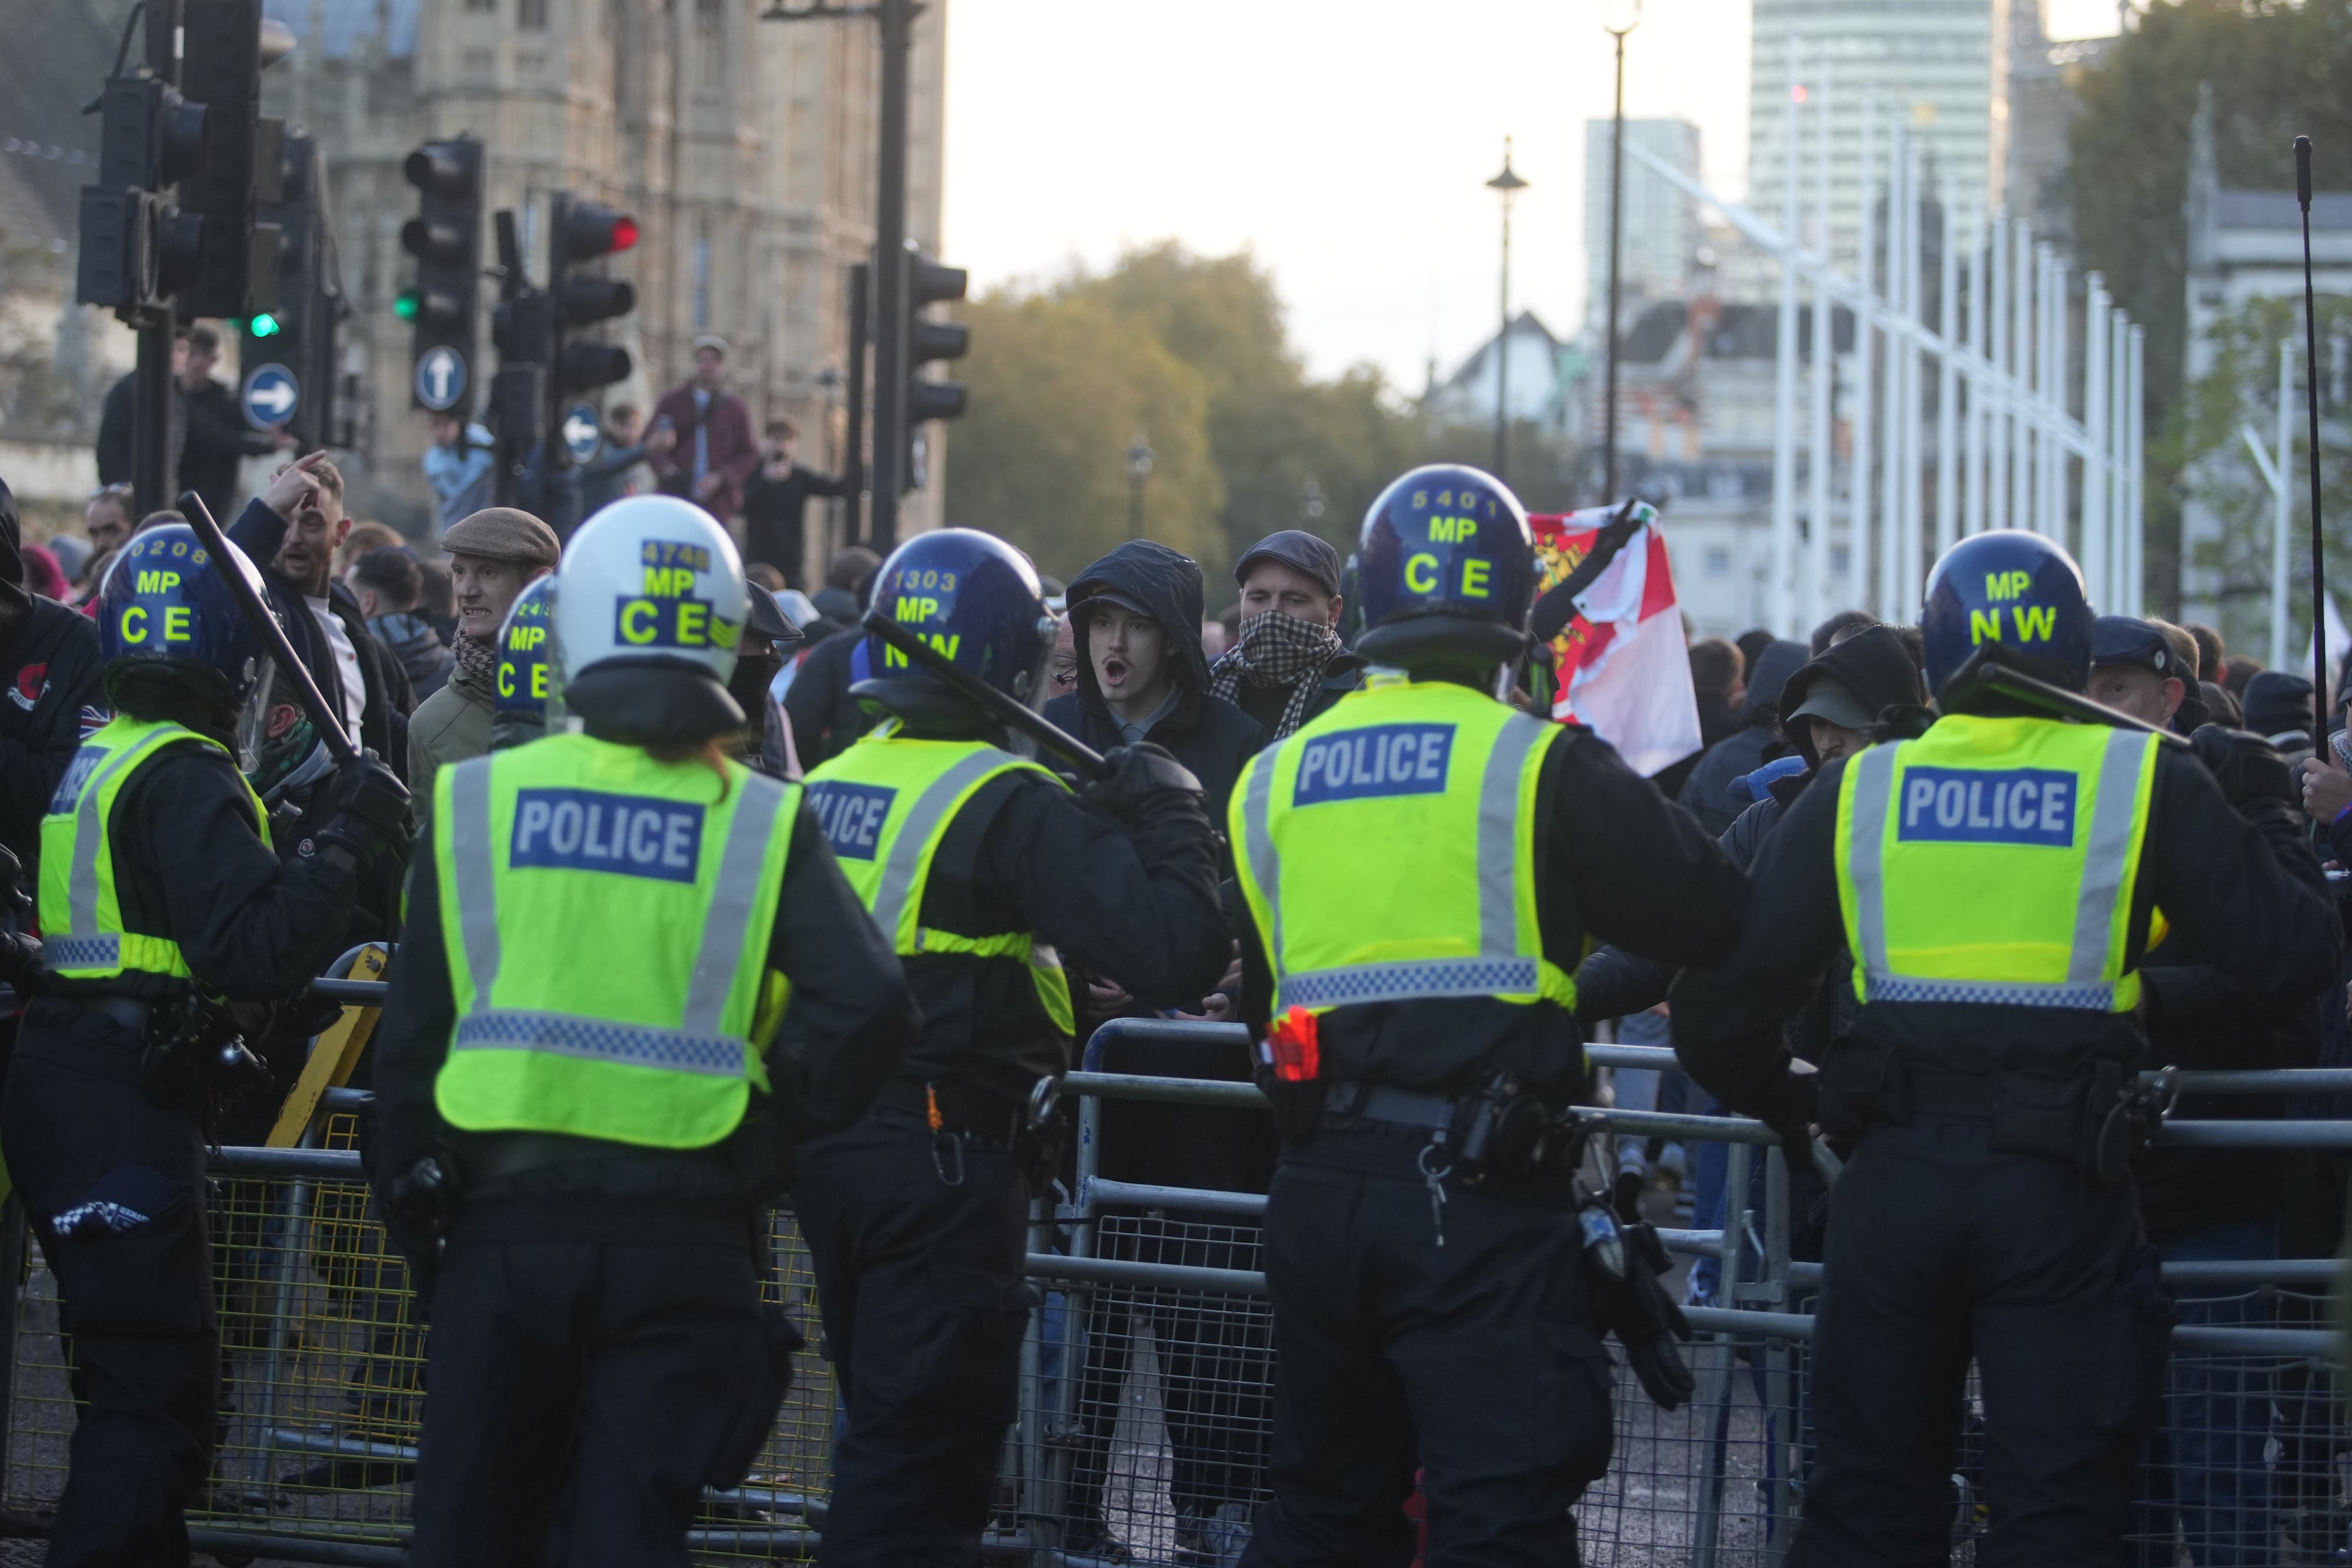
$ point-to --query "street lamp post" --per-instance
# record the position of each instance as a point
(1138, 469)
(1507, 184)
(1618, 17)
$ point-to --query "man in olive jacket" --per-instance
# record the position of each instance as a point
(493, 555)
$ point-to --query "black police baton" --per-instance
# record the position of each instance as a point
(1052, 736)
(2311, 397)
(290, 668)
(1982, 674)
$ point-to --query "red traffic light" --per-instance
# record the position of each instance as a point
(585, 230)
(624, 233)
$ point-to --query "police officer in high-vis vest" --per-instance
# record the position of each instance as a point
(160, 896)
(983, 871)
(524, 684)
(585, 1105)
(1423, 866)
(1996, 880)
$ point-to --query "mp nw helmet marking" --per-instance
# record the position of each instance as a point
(650, 581)
(2018, 597)
(526, 676)
(165, 600)
(973, 597)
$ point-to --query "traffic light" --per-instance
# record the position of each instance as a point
(292, 351)
(583, 233)
(445, 239)
(237, 266)
(930, 283)
(138, 248)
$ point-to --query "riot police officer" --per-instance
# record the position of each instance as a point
(524, 699)
(1995, 880)
(983, 871)
(164, 907)
(1422, 865)
(577, 1050)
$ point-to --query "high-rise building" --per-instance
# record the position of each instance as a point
(1940, 68)
(745, 149)
(1659, 225)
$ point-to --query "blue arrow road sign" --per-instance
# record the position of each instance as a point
(270, 396)
(582, 436)
(440, 377)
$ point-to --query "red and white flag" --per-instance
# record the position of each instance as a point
(1622, 665)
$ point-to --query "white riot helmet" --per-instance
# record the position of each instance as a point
(649, 581)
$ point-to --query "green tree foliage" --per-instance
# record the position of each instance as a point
(2277, 70)
(2242, 388)
(1192, 351)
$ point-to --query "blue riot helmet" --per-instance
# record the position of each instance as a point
(2011, 598)
(1445, 572)
(527, 687)
(975, 599)
(168, 622)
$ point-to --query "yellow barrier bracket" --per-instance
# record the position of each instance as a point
(333, 1056)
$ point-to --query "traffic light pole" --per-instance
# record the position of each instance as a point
(897, 21)
(861, 315)
(153, 407)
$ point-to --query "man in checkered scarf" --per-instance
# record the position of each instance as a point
(1288, 663)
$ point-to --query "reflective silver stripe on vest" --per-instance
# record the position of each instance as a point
(1500, 969)
(90, 837)
(905, 862)
(727, 926)
(1265, 863)
(1412, 980)
(2107, 853)
(81, 952)
(600, 1040)
(1874, 790)
(473, 847)
(2103, 867)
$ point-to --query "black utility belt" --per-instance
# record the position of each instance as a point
(2096, 1117)
(945, 1105)
(1501, 1129)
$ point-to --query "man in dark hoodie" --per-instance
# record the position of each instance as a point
(1141, 673)
(1707, 793)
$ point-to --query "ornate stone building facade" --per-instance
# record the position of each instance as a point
(745, 146)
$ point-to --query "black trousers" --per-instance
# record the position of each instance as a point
(1940, 1250)
(1472, 1360)
(921, 1287)
(139, 1304)
(582, 1393)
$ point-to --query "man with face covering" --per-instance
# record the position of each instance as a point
(1288, 663)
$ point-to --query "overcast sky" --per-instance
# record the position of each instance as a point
(1346, 142)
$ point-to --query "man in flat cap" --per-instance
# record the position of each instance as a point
(715, 452)
(1287, 664)
(493, 554)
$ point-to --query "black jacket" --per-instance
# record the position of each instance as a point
(1707, 792)
(1613, 859)
(217, 441)
(1025, 854)
(825, 718)
(2250, 896)
(116, 422)
(387, 697)
(774, 517)
(1265, 703)
(49, 659)
(1207, 734)
(850, 1021)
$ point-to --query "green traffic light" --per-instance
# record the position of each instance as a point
(405, 304)
(265, 326)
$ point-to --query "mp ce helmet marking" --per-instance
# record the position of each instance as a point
(650, 581)
(1446, 570)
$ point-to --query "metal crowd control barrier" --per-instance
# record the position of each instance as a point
(1146, 1374)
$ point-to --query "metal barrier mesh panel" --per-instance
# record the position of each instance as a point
(1145, 1417)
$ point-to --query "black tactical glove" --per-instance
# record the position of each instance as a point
(1141, 775)
(367, 813)
(2248, 767)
